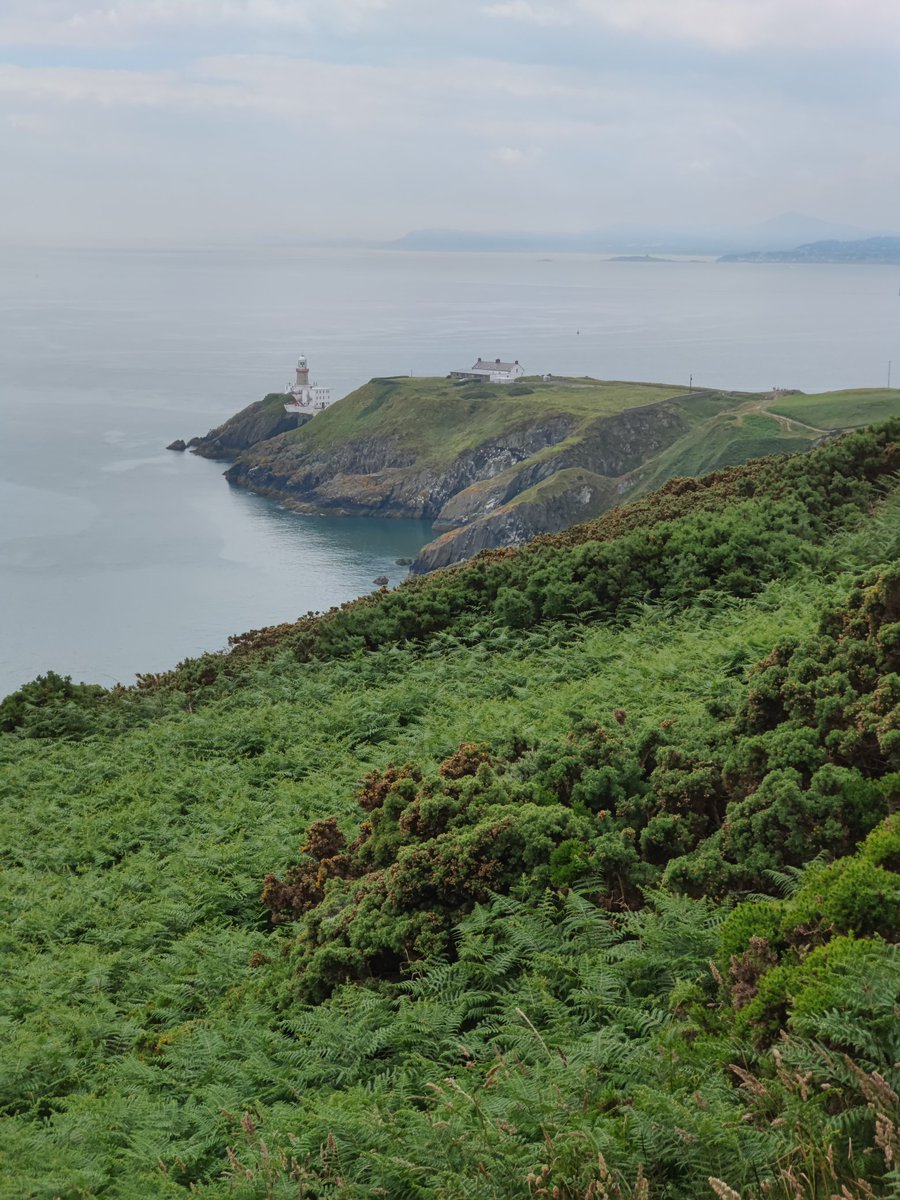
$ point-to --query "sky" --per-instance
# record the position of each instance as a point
(317, 119)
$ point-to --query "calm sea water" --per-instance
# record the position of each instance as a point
(117, 556)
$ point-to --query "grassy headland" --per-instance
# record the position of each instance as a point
(438, 419)
(476, 458)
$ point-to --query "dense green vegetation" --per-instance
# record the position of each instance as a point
(568, 872)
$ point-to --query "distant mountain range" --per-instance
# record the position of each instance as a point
(867, 250)
(783, 232)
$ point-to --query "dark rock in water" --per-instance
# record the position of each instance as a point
(380, 580)
(403, 562)
(178, 444)
(194, 441)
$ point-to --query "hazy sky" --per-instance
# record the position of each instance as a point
(367, 118)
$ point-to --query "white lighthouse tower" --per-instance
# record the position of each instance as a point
(303, 396)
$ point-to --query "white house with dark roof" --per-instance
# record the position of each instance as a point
(491, 372)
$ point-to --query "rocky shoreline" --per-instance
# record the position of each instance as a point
(489, 469)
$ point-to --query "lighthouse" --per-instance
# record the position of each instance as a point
(303, 396)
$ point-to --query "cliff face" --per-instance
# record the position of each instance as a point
(377, 477)
(609, 448)
(256, 423)
(570, 497)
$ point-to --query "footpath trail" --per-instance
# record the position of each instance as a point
(787, 423)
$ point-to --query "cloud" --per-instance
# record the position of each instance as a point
(742, 25)
(119, 89)
(721, 25)
(529, 12)
(128, 22)
(457, 94)
(703, 110)
(515, 156)
(636, 35)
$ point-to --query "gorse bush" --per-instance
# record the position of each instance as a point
(569, 872)
(51, 706)
(793, 775)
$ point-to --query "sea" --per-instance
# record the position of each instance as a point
(118, 556)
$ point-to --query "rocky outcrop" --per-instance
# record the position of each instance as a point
(571, 496)
(610, 447)
(256, 423)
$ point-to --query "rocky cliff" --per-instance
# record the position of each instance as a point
(256, 423)
(569, 497)
(377, 477)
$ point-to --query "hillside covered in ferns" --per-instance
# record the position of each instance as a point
(571, 871)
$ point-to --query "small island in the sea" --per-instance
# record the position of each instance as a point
(638, 258)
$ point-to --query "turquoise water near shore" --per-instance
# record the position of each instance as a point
(119, 557)
(126, 557)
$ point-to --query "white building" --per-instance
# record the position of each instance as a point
(303, 396)
(491, 372)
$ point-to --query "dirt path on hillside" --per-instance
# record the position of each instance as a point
(786, 423)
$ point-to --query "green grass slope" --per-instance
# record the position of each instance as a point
(491, 886)
(840, 410)
(437, 419)
(726, 440)
(760, 425)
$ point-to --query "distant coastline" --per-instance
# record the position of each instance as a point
(789, 234)
(874, 250)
